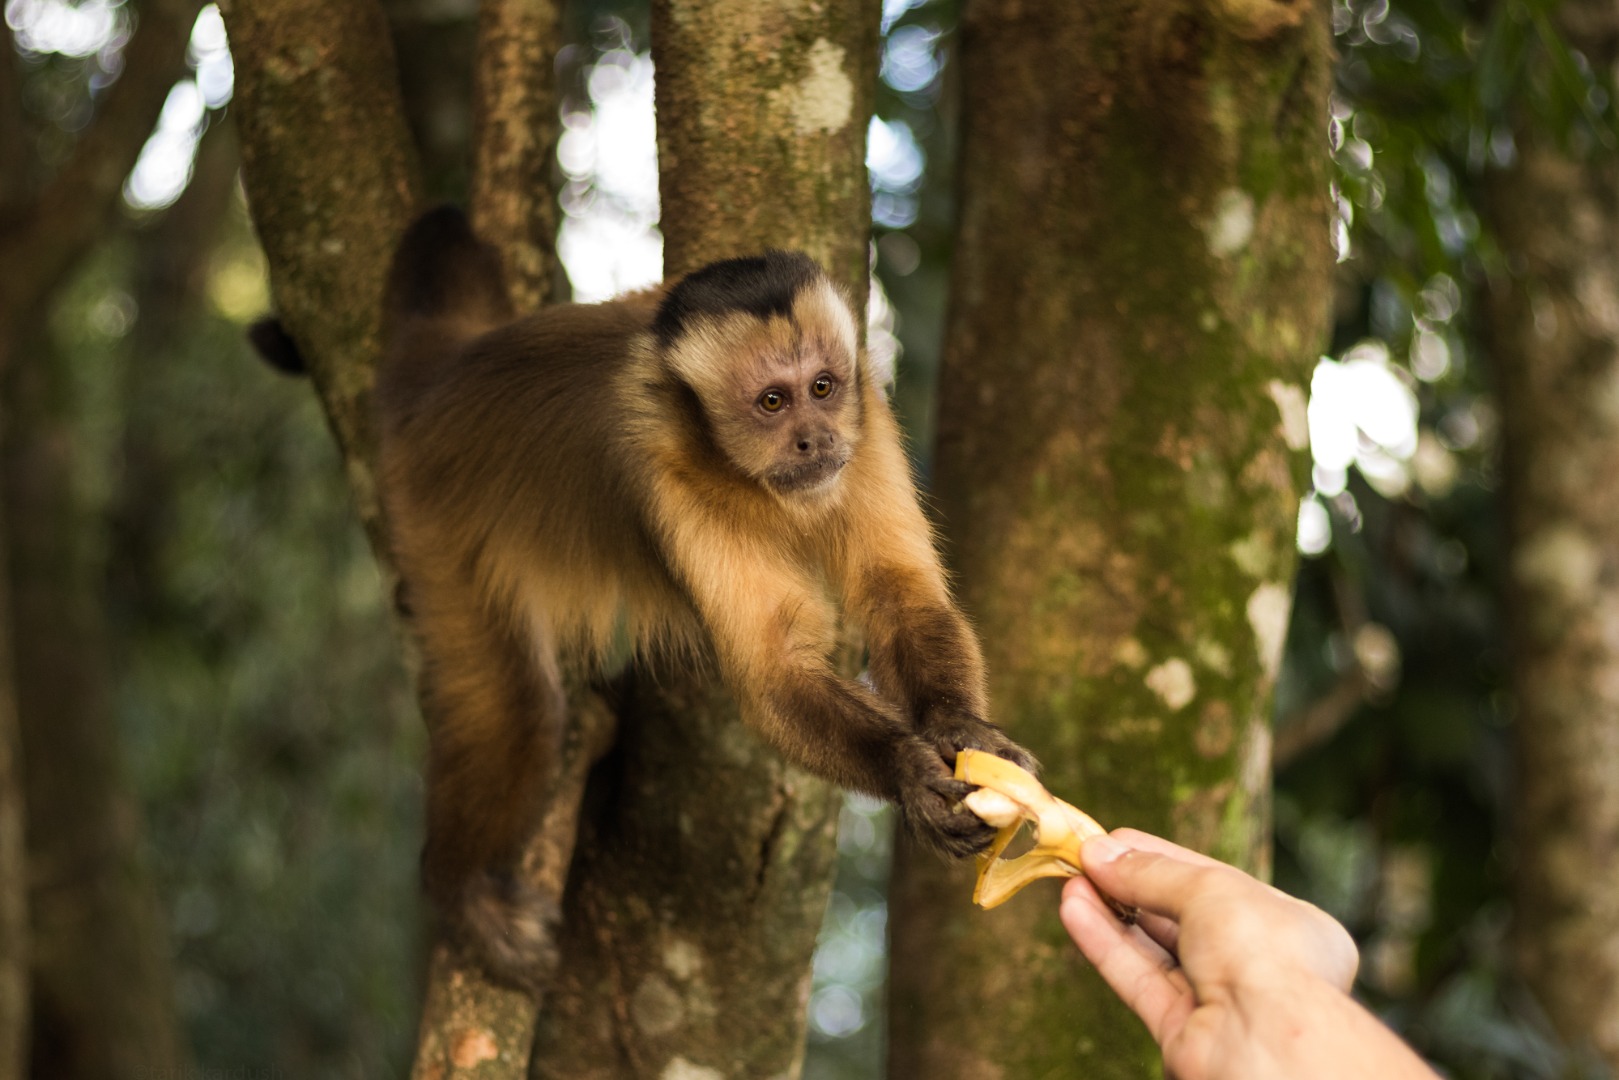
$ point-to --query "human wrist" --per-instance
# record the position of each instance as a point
(1313, 1028)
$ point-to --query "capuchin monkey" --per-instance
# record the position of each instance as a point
(705, 469)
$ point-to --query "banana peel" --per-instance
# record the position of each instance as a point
(1007, 796)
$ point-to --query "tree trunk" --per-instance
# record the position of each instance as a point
(103, 996)
(331, 175)
(515, 126)
(1555, 326)
(1140, 288)
(92, 900)
(103, 983)
(703, 872)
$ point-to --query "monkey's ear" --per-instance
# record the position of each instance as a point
(276, 346)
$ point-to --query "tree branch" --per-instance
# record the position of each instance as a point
(1373, 670)
(332, 177)
(1321, 719)
(514, 134)
(471, 1028)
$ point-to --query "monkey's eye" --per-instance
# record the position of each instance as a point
(822, 386)
(772, 400)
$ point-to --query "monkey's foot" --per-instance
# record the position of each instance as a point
(1008, 796)
(508, 928)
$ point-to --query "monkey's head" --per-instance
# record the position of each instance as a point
(768, 345)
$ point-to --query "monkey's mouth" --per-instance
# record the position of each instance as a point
(808, 476)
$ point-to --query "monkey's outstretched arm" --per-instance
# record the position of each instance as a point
(923, 652)
(774, 636)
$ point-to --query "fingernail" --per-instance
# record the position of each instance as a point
(1102, 849)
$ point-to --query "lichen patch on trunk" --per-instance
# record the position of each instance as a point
(1174, 683)
(1269, 608)
(823, 100)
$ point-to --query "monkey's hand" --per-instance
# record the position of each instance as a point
(951, 733)
(929, 800)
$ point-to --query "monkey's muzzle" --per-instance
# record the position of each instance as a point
(810, 474)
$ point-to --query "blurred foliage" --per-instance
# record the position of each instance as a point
(1398, 822)
(846, 1011)
(913, 220)
(265, 718)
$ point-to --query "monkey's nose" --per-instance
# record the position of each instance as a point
(819, 441)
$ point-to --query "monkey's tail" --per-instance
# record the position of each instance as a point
(442, 271)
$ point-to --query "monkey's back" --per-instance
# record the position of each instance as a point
(508, 476)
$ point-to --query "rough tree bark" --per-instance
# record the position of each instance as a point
(1555, 332)
(514, 135)
(332, 179)
(1139, 291)
(83, 847)
(692, 916)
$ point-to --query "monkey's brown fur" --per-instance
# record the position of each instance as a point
(595, 474)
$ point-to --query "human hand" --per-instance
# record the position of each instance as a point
(1232, 977)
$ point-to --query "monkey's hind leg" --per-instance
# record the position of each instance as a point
(495, 722)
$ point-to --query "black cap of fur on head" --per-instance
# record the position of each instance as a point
(762, 285)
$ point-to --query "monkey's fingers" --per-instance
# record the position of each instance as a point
(931, 806)
(970, 733)
(1008, 796)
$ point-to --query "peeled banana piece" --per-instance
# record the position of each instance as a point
(1008, 796)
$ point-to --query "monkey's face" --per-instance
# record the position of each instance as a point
(780, 393)
(801, 421)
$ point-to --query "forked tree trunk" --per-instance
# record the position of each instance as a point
(1139, 292)
(1555, 332)
(704, 867)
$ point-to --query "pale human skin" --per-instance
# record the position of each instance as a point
(1235, 980)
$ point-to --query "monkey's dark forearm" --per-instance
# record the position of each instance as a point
(843, 732)
(838, 730)
(928, 658)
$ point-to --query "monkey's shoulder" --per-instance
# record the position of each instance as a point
(595, 339)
